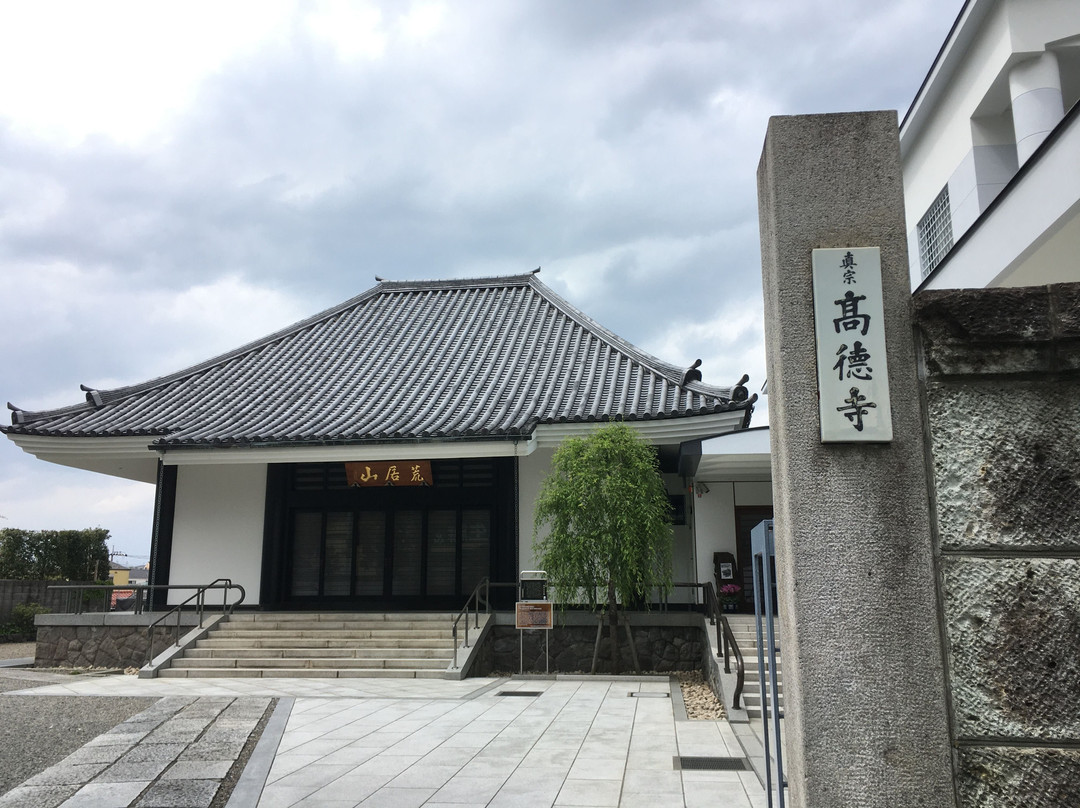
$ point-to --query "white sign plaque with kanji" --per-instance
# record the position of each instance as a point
(853, 375)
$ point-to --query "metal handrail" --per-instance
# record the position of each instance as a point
(725, 638)
(474, 603)
(199, 597)
(81, 589)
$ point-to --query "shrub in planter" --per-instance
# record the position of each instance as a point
(22, 618)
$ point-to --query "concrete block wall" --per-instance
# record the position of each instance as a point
(1002, 382)
(17, 593)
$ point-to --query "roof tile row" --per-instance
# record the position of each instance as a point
(403, 361)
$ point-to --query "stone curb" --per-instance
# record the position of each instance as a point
(249, 788)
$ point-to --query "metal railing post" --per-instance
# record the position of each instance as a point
(141, 602)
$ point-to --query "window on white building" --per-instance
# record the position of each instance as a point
(935, 233)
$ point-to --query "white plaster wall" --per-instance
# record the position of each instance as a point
(531, 473)
(1056, 261)
(931, 157)
(963, 194)
(1036, 215)
(975, 93)
(715, 518)
(753, 493)
(218, 527)
(1020, 27)
(715, 525)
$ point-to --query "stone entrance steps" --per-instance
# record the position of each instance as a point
(324, 645)
(745, 631)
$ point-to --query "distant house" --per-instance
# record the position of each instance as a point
(119, 575)
(387, 452)
(990, 150)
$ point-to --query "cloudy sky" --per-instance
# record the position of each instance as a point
(179, 178)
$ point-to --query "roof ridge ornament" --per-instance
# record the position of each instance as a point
(93, 396)
(18, 415)
(692, 373)
(739, 393)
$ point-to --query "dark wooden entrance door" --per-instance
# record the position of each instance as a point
(391, 553)
(388, 547)
(746, 519)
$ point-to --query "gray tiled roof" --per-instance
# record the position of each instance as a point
(403, 361)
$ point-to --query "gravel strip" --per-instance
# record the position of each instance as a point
(701, 702)
(17, 650)
(40, 731)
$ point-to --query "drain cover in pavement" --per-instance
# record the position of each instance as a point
(723, 764)
(529, 693)
(648, 695)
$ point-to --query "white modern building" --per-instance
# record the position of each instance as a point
(991, 155)
(732, 495)
(991, 150)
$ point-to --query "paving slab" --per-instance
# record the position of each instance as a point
(491, 750)
(581, 741)
(136, 762)
(106, 795)
(179, 793)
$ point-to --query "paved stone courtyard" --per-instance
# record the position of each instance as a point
(558, 742)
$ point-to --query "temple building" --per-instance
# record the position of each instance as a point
(385, 453)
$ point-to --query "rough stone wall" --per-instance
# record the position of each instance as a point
(84, 646)
(660, 649)
(1003, 397)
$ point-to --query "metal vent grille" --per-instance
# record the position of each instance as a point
(529, 693)
(716, 764)
(935, 233)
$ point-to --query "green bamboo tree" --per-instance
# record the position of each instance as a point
(73, 555)
(603, 523)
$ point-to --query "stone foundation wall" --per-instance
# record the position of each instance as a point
(97, 646)
(102, 640)
(660, 649)
(1003, 397)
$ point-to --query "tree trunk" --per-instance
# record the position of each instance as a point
(613, 617)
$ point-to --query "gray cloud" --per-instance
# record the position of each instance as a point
(614, 143)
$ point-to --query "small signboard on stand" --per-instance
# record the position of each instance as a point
(534, 615)
(533, 611)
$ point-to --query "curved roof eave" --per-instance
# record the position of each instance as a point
(296, 385)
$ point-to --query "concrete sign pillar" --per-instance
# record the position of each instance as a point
(864, 684)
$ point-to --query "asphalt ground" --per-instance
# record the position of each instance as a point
(39, 731)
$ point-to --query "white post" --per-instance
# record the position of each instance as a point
(1035, 89)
